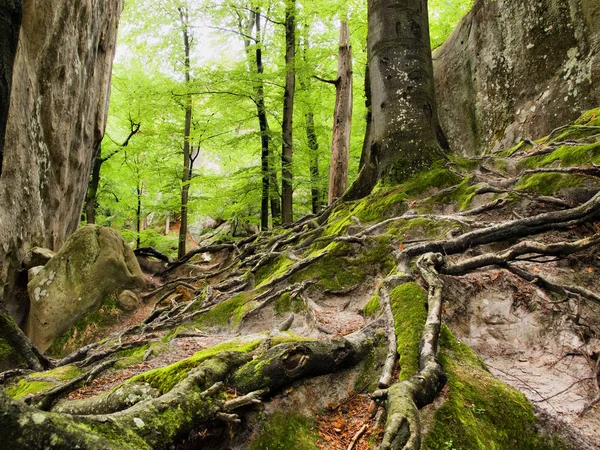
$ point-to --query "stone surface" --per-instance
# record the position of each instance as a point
(37, 256)
(514, 69)
(128, 300)
(94, 263)
(56, 118)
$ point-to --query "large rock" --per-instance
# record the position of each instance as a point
(57, 117)
(517, 69)
(94, 263)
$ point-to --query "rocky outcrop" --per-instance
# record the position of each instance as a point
(94, 264)
(57, 116)
(513, 70)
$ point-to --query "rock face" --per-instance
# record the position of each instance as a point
(516, 69)
(57, 116)
(94, 263)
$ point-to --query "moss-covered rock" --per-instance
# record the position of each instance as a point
(94, 264)
(286, 432)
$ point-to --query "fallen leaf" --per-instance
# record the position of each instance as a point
(401, 246)
(590, 270)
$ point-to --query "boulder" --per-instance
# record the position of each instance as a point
(128, 300)
(95, 263)
(37, 256)
(515, 69)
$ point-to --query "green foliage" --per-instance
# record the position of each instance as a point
(286, 432)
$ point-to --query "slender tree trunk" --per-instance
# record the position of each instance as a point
(405, 135)
(138, 213)
(311, 135)
(288, 114)
(187, 169)
(91, 198)
(10, 24)
(265, 139)
(313, 146)
(342, 120)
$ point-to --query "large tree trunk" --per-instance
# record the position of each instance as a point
(342, 120)
(91, 202)
(10, 24)
(313, 146)
(287, 189)
(187, 162)
(404, 135)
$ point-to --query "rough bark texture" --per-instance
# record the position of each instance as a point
(342, 120)
(10, 24)
(287, 189)
(514, 70)
(404, 133)
(57, 117)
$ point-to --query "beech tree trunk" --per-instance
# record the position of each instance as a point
(10, 24)
(313, 146)
(187, 169)
(288, 113)
(342, 119)
(404, 133)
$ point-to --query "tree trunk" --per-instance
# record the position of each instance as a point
(288, 114)
(187, 169)
(138, 213)
(313, 146)
(265, 139)
(342, 120)
(10, 24)
(91, 198)
(405, 135)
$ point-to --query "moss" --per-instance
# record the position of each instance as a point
(165, 378)
(461, 195)
(87, 330)
(409, 302)
(549, 183)
(64, 373)
(25, 387)
(421, 227)
(286, 432)
(480, 412)
(229, 311)
(567, 155)
(286, 303)
(272, 270)
(341, 269)
(368, 378)
(6, 350)
(372, 307)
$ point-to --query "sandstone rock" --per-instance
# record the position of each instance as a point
(94, 264)
(32, 273)
(37, 256)
(56, 119)
(128, 300)
(515, 69)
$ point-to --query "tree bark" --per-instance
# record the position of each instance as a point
(342, 119)
(288, 114)
(313, 146)
(187, 169)
(10, 24)
(405, 136)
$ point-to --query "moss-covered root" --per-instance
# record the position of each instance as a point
(151, 424)
(403, 430)
(285, 363)
(16, 350)
(119, 399)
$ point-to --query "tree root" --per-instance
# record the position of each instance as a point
(405, 398)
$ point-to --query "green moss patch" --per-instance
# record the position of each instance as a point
(26, 387)
(165, 378)
(64, 373)
(549, 183)
(88, 329)
(372, 307)
(273, 270)
(409, 307)
(286, 432)
(229, 311)
(480, 412)
(461, 195)
(342, 267)
(286, 303)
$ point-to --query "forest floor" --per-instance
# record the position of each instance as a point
(517, 235)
